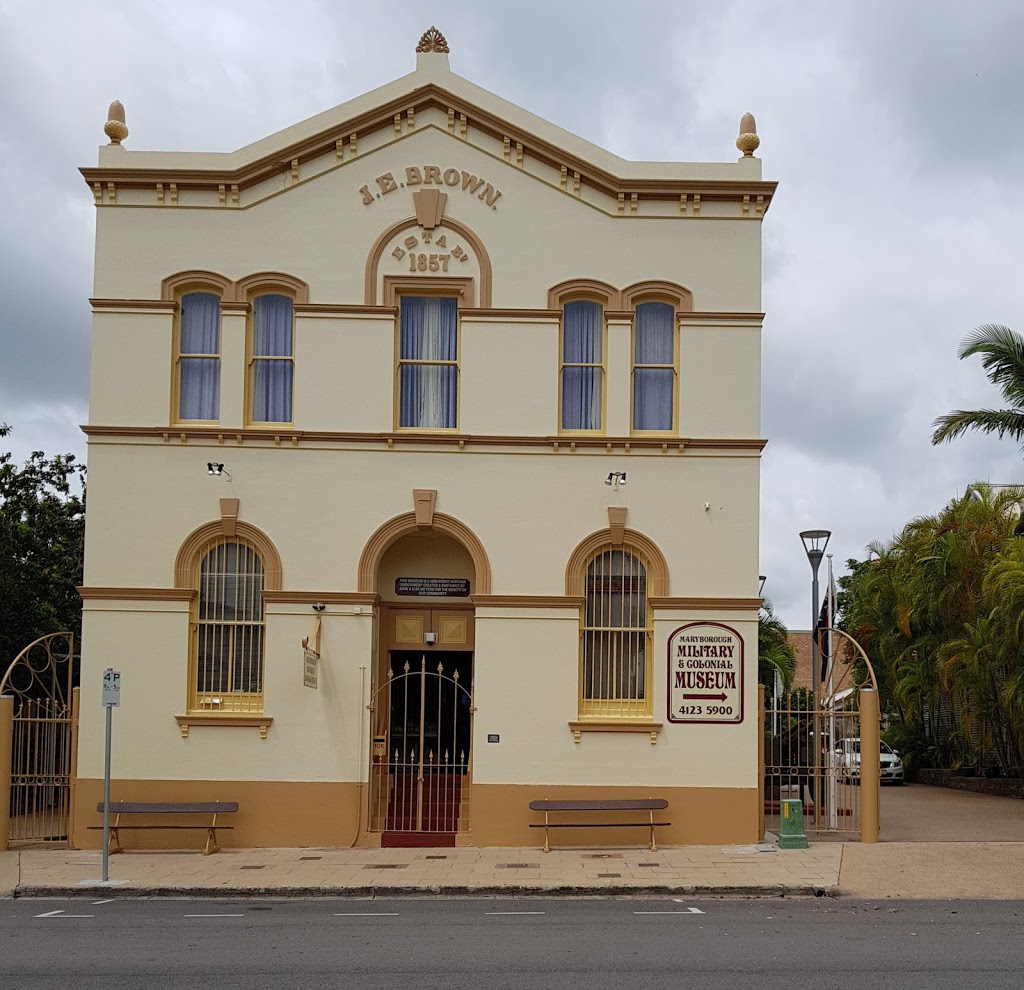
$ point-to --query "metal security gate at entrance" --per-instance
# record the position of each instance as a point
(420, 766)
(36, 718)
(814, 755)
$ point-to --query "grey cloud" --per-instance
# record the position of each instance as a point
(879, 256)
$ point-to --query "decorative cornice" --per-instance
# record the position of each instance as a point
(88, 592)
(153, 305)
(430, 97)
(236, 435)
(316, 597)
(521, 314)
(720, 604)
(527, 601)
(343, 309)
(514, 315)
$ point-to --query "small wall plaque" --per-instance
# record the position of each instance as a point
(493, 737)
(432, 587)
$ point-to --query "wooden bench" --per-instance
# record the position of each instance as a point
(211, 808)
(650, 805)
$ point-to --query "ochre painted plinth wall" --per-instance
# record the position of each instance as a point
(501, 816)
(295, 815)
(270, 813)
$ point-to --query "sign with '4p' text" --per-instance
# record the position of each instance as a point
(705, 674)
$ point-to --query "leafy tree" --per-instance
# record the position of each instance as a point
(1002, 356)
(42, 530)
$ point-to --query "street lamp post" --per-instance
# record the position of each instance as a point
(815, 541)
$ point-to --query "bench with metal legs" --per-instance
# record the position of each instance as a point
(650, 805)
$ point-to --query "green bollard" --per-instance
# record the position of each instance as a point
(791, 834)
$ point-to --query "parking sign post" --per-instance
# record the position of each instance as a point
(111, 700)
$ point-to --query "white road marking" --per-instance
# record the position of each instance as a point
(692, 910)
(108, 901)
(49, 914)
(61, 915)
(687, 911)
(512, 912)
(368, 914)
(214, 915)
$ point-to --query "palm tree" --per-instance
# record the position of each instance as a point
(1002, 351)
(774, 652)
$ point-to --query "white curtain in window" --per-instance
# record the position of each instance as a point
(429, 332)
(582, 326)
(199, 378)
(272, 377)
(653, 388)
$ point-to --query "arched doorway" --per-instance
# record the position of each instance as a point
(422, 702)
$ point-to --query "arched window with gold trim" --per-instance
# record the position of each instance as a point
(271, 358)
(227, 648)
(197, 357)
(655, 367)
(616, 635)
(582, 367)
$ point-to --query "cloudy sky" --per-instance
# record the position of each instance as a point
(893, 128)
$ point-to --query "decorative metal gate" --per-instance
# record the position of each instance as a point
(41, 678)
(814, 755)
(419, 774)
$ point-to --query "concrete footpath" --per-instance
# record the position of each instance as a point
(887, 870)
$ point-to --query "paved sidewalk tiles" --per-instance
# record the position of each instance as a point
(709, 870)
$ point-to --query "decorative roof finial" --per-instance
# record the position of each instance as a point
(115, 128)
(432, 41)
(748, 140)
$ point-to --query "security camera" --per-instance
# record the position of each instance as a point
(319, 607)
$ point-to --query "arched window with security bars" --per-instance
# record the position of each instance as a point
(227, 654)
(615, 637)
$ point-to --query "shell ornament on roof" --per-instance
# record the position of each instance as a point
(432, 41)
(115, 128)
(748, 140)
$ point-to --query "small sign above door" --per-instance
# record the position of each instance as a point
(310, 671)
(432, 587)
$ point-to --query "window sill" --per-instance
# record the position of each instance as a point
(236, 719)
(615, 725)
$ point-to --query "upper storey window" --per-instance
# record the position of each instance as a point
(198, 363)
(428, 362)
(582, 366)
(271, 360)
(654, 367)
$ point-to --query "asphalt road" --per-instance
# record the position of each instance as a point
(498, 944)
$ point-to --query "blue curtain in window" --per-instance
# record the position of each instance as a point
(653, 388)
(272, 379)
(199, 378)
(428, 332)
(582, 326)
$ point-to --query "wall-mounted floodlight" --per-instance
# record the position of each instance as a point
(616, 480)
(216, 470)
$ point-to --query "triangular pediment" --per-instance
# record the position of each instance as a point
(435, 97)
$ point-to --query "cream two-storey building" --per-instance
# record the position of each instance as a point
(424, 448)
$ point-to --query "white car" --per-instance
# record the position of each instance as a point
(848, 761)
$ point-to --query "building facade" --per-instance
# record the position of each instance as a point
(424, 450)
